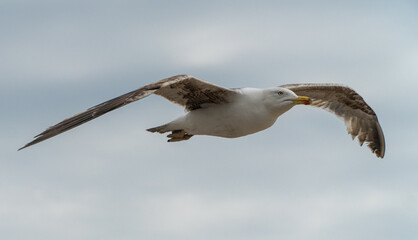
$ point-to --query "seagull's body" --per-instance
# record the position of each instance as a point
(216, 111)
(249, 112)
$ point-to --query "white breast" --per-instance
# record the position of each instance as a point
(246, 115)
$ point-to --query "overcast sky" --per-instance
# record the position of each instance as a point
(304, 178)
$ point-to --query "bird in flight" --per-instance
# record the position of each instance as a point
(217, 111)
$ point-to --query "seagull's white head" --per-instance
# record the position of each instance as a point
(282, 99)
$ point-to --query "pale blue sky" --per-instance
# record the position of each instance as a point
(304, 178)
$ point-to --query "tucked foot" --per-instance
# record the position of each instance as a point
(178, 135)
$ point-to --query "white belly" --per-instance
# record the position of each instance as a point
(226, 120)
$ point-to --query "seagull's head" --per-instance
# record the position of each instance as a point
(283, 99)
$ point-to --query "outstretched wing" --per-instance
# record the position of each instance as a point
(184, 90)
(359, 118)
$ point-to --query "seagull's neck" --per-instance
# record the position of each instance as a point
(262, 99)
(255, 94)
(254, 99)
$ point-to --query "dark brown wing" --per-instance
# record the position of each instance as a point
(359, 118)
(193, 93)
(184, 90)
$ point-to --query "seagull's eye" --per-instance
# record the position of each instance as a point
(280, 93)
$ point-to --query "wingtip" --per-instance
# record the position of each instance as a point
(23, 147)
(28, 145)
(381, 154)
(382, 141)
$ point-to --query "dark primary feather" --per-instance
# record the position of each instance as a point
(184, 90)
(359, 118)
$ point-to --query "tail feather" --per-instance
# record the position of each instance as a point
(159, 129)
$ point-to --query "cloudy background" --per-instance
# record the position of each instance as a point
(304, 178)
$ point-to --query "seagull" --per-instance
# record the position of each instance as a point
(230, 113)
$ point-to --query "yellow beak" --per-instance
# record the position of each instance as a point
(302, 100)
